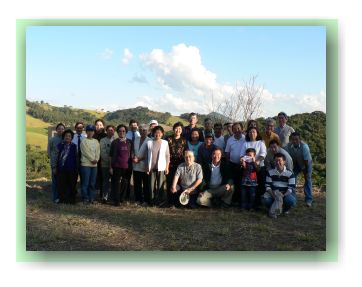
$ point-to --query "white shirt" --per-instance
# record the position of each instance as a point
(130, 133)
(259, 147)
(220, 142)
(216, 178)
(75, 138)
(234, 146)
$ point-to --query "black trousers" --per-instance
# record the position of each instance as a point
(67, 186)
(119, 184)
(169, 180)
(141, 185)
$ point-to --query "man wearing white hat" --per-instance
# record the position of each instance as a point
(152, 124)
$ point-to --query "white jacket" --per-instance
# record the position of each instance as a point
(161, 164)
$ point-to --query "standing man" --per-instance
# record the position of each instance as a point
(132, 130)
(131, 135)
(140, 177)
(52, 155)
(268, 134)
(229, 128)
(152, 124)
(105, 146)
(284, 131)
(77, 139)
(233, 149)
(302, 162)
(219, 138)
(273, 149)
(186, 132)
(208, 127)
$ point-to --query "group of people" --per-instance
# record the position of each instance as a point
(217, 165)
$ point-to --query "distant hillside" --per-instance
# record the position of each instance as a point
(36, 132)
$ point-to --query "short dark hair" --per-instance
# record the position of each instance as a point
(218, 148)
(238, 123)
(250, 122)
(78, 123)
(178, 124)
(295, 134)
(58, 125)
(217, 125)
(157, 128)
(279, 154)
(283, 114)
(122, 126)
(228, 123)
(192, 114)
(247, 138)
(110, 126)
(195, 130)
(133, 121)
(250, 149)
(99, 120)
(273, 142)
(68, 131)
(207, 120)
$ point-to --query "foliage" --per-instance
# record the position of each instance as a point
(37, 163)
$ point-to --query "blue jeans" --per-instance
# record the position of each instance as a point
(54, 187)
(307, 183)
(247, 196)
(89, 177)
(288, 201)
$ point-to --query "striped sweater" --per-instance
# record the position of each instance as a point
(283, 181)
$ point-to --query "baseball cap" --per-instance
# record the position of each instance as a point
(90, 128)
(153, 122)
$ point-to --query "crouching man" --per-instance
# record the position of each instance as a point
(280, 188)
(188, 176)
(218, 183)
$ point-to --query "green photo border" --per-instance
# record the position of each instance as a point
(331, 253)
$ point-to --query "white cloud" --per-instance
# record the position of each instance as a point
(127, 56)
(180, 69)
(188, 85)
(107, 54)
(137, 78)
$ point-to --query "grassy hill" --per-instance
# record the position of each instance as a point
(36, 132)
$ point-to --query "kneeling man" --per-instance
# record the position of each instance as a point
(189, 176)
(218, 183)
(280, 187)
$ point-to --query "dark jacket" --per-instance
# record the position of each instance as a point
(225, 174)
(70, 162)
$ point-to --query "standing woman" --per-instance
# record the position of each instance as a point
(177, 145)
(253, 140)
(67, 168)
(52, 155)
(120, 162)
(105, 145)
(158, 160)
(100, 133)
(90, 151)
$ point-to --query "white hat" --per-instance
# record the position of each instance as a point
(153, 122)
(184, 198)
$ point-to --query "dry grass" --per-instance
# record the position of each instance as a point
(104, 227)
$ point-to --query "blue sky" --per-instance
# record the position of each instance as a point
(176, 69)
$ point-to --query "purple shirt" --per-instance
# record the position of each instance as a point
(121, 160)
